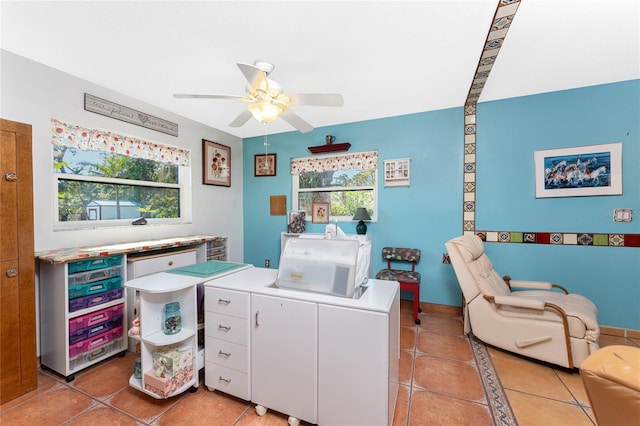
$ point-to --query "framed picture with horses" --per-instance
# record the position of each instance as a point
(579, 171)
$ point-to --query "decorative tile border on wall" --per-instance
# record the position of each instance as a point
(502, 18)
(562, 238)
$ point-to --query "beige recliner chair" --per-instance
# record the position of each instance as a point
(551, 326)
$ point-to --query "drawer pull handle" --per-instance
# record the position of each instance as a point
(224, 354)
(12, 273)
(11, 177)
(257, 318)
(222, 379)
(171, 263)
(224, 327)
(224, 301)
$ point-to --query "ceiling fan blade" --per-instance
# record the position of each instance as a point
(318, 99)
(193, 96)
(297, 122)
(255, 76)
(241, 119)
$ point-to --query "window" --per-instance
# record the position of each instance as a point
(345, 181)
(104, 179)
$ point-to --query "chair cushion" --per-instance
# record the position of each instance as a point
(582, 314)
(399, 275)
(401, 254)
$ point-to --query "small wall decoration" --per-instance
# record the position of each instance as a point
(216, 168)
(264, 165)
(320, 213)
(123, 113)
(397, 172)
(579, 171)
(296, 221)
(278, 205)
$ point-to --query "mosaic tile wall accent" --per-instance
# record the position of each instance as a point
(502, 19)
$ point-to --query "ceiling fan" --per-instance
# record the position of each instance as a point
(266, 100)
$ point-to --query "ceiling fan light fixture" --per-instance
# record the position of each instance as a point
(265, 112)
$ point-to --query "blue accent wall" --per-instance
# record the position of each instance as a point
(429, 212)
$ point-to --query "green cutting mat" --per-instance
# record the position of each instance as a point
(206, 269)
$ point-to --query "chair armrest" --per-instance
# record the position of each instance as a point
(541, 285)
(518, 302)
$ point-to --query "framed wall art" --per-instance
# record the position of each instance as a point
(264, 165)
(397, 172)
(216, 168)
(320, 213)
(579, 171)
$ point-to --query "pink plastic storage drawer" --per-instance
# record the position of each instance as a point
(95, 299)
(95, 318)
(94, 342)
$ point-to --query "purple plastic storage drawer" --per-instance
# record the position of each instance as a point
(94, 318)
(94, 342)
(95, 299)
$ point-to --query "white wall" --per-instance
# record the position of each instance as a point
(33, 93)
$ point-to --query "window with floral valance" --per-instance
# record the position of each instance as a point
(345, 182)
(108, 178)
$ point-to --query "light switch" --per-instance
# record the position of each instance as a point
(622, 215)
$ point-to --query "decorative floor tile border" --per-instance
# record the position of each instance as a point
(502, 19)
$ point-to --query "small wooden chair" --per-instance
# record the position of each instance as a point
(409, 280)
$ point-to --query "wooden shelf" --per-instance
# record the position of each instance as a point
(336, 147)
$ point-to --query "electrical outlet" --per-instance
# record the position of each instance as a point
(267, 263)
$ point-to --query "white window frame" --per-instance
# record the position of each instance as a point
(295, 185)
(184, 185)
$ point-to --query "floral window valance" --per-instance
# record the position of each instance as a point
(354, 161)
(74, 136)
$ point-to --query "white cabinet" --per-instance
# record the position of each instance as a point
(169, 364)
(82, 313)
(227, 333)
(284, 355)
(358, 358)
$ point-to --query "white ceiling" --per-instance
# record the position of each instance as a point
(386, 58)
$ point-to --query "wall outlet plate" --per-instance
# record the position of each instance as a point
(622, 215)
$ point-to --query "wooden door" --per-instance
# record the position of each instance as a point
(18, 359)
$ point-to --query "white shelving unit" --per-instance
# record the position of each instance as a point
(82, 313)
(155, 294)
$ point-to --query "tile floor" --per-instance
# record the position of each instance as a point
(440, 385)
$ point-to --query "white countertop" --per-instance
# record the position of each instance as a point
(378, 296)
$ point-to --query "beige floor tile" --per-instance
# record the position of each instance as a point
(456, 347)
(428, 408)
(50, 408)
(140, 405)
(402, 406)
(102, 416)
(573, 381)
(406, 367)
(531, 410)
(106, 379)
(206, 408)
(448, 376)
(532, 378)
(408, 337)
(441, 324)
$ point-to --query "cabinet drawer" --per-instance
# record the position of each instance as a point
(227, 354)
(157, 263)
(227, 302)
(227, 380)
(229, 329)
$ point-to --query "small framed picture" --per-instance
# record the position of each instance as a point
(320, 213)
(216, 168)
(264, 165)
